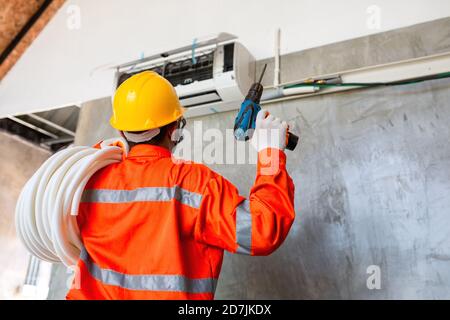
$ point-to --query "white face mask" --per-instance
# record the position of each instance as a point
(177, 135)
(141, 137)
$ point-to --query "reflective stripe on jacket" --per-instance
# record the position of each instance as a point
(154, 228)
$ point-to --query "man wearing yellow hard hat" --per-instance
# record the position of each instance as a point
(153, 228)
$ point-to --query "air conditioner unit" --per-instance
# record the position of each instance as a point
(210, 76)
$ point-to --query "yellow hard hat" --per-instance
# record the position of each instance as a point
(145, 101)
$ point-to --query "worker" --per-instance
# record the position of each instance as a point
(154, 228)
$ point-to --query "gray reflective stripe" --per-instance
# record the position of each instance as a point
(186, 197)
(176, 283)
(244, 228)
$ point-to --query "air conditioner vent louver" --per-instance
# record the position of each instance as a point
(199, 99)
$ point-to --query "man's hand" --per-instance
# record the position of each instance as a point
(270, 132)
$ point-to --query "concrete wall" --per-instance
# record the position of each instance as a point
(71, 61)
(18, 161)
(372, 175)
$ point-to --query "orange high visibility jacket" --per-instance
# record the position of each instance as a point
(153, 228)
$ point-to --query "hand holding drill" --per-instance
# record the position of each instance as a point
(250, 117)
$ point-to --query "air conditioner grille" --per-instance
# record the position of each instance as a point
(186, 71)
(181, 72)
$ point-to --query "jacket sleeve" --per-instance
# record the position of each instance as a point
(257, 226)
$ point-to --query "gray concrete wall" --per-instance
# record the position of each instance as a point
(93, 123)
(18, 161)
(372, 175)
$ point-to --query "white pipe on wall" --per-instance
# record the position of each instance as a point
(276, 76)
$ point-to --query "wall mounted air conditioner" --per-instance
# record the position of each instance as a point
(209, 76)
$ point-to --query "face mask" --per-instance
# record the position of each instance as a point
(177, 135)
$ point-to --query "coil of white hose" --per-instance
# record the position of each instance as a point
(48, 204)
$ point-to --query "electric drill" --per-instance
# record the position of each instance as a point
(246, 118)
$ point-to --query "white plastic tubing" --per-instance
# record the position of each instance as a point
(48, 204)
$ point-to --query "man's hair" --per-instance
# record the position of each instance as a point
(157, 140)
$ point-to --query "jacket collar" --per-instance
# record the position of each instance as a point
(149, 151)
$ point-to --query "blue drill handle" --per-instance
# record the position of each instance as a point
(245, 121)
